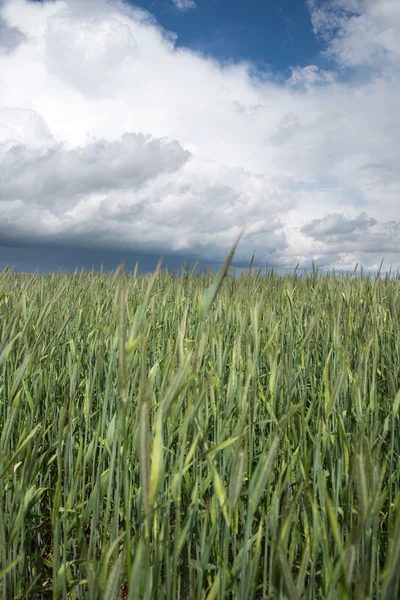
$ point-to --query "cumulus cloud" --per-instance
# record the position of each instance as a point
(356, 237)
(59, 175)
(337, 225)
(112, 137)
(140, 191)
(359, 32)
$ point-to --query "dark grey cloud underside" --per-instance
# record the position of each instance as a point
(46, 260)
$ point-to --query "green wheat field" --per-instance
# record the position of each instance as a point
(195, 436)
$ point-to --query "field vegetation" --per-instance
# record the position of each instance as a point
(189, 436)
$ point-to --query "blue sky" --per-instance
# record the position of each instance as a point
(165, 127)
(272, 34)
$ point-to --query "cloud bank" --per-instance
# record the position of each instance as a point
(110, 137)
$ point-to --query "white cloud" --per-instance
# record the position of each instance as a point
(111, 136)
(310, 76)
(184, 4)
(359, 32)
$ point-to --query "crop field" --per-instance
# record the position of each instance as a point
(199, 437)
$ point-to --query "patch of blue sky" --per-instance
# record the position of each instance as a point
(345, 195)
(274, 35)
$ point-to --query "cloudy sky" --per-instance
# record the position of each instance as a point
(163, 127)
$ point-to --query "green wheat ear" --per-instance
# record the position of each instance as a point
(212, 292)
